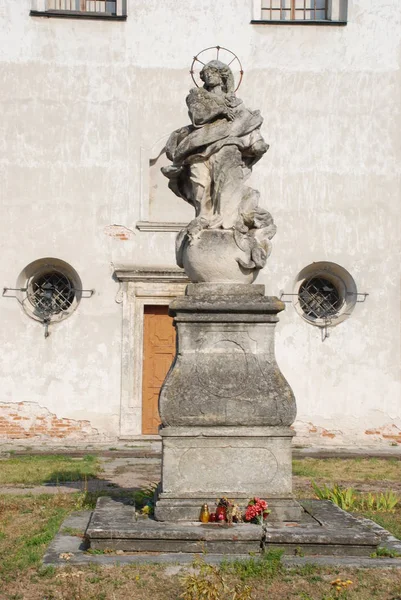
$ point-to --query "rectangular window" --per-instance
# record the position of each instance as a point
(88, 6)
(79, 8)
(294, 10)
(319, 12)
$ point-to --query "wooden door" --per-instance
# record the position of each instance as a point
(158, 354)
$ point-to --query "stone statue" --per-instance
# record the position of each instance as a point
(224, 401)
(229, 239)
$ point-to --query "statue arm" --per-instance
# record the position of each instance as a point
(204, 109)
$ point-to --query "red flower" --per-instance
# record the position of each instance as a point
(256, 508)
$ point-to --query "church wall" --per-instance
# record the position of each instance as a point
(86, 103)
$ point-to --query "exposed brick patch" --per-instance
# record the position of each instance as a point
(328, 434)
(119, 232)
(307, 432)
(388, 432)
(320, 431)
(28, 420)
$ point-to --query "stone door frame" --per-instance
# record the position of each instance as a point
(139, 287)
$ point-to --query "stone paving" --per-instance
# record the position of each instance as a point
(118, 474)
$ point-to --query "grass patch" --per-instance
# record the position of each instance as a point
(37, 470)
(348, 469)
(385, 553)
(142, 582)
(390, 521)
(348, 499)
(28, 524)
(265, 566)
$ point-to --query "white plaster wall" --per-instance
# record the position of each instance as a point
(81, 100)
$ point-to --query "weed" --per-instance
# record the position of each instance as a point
(340, 587)
(264, 566)
(72, 588)
(385, 553)
(209, 583)
(46, 571)
(308, 571)
(145, 496)
(73, 532)
(387, 501)
(347, 499)
(90, 458)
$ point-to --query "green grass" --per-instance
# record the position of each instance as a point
(348, 469)
(389, 520)
(266, 566)
(37, 470)
(28, 524)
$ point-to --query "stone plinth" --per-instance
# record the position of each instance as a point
(201, 464)
(225, 406)
(324, 529)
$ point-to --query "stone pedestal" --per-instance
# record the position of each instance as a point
(201, 464)
(226, 408)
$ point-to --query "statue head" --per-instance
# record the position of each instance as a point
(222, 71)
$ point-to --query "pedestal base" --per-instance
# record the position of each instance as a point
(202, 464)
(324, 530)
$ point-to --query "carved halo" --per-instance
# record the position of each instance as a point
(218, 50)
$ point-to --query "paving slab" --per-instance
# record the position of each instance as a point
(120, 474)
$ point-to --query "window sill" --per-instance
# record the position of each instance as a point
(300, 22)
(69, 14)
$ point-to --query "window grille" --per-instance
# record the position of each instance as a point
(50, 294)
(108, 7)
(319, 298)
(294, 10)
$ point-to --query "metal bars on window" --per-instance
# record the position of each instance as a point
(294, 10)
(50, 294)
(108, 7)
(319, 298)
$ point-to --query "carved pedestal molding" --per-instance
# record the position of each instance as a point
(225, 406)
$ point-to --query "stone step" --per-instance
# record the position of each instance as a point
(324, 530)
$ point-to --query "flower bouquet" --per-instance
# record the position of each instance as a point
(256, 511)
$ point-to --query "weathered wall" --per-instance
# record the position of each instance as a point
(83, 102)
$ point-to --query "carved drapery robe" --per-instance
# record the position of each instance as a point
(213, 156)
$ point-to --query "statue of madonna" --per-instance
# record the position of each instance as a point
(211, 160)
